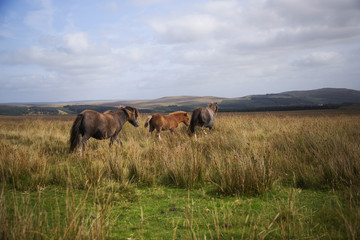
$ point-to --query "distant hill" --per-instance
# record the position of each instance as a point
(18, 110)
(327, 95)
(292, 100)
(312, 98)
(166, 101)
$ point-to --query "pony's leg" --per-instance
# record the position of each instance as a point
(111, 141)
(192, 133)
(158, 130)
(203, 129)
(82, 143)
(151, 129)
(173, 131)
(117, 138)
(158, 134)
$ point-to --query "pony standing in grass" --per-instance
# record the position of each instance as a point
(105, 125)
(166, 122)
(203, 117)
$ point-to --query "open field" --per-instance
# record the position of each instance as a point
(279, 175)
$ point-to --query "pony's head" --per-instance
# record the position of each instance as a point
(214, 107)
(186, 119)
(132, 115)
(182, 117)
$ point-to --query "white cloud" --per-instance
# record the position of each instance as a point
(76, 42)
(146, 2)
(69, 65)
(320, 59)
(42, 19)
(112, 5)
(185, 28)
(261, 25)
(134, 54)
(223, 8)
(321, 12)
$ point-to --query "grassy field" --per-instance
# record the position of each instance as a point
(280, 175)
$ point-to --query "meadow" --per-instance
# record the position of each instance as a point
(278, 175)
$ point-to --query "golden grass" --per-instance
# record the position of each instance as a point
(244, 154)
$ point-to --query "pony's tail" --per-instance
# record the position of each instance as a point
(193, 120)
(75, 131)
(147, 121)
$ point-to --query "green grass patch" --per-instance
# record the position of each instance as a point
(172, 213)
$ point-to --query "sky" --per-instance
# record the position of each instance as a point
(71, 50)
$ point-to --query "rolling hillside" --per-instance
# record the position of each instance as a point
(312, 98)
(292, 100)
(166, 101)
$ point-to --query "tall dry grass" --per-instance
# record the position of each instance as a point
(244, 154)
(320, 152)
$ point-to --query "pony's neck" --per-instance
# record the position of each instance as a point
(120, 116)
(213, 109)
(178, 117)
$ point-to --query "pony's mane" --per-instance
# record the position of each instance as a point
(177, 112)
(122, 109)
(114, 111)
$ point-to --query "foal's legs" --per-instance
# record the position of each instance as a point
(158, 129)
(173, 131)
(158, 134)
(151, 129)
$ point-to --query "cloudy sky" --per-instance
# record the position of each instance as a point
(143, 49)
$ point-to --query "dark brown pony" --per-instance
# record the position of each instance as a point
(90, 123)
(166, 122)
(203, 117)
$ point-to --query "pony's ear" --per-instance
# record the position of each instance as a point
(131, 112)
(127, 112)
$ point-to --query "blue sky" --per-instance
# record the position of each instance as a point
(145, 49)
